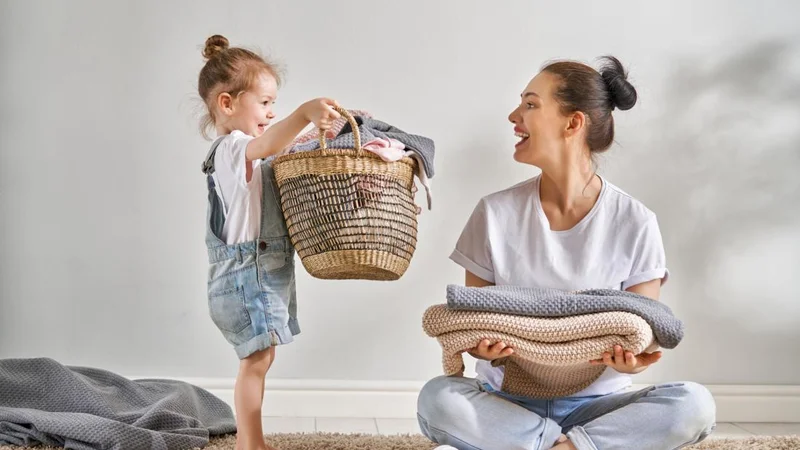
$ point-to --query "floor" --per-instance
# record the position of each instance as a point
(409, 426)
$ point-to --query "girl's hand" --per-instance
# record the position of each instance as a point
(320, 112)
(627, 362)
(490, 353)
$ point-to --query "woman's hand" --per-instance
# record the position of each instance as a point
(627, 362)
(490, 352)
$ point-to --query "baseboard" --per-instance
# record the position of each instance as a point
(757, 403)
(329, 398)
(398, 399)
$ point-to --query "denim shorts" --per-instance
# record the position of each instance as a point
(251, 294)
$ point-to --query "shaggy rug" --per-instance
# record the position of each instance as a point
(335, 441)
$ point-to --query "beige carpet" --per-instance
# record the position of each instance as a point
(326, 441)
(333, 441)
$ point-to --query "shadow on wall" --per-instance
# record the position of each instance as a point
(723, 174)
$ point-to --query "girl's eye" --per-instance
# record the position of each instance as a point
(531, 105)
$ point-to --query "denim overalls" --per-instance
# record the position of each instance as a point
(251, 285)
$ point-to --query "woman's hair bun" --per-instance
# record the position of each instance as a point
(623, 94)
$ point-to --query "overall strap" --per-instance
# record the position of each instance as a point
(216, 208)
(208, 164)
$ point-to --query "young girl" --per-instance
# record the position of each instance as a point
(251, 284)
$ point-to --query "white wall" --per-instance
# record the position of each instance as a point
(102, 200)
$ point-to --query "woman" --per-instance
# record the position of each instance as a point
(567, 228)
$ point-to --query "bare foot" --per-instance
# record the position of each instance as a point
(563, 444)
(258, 446)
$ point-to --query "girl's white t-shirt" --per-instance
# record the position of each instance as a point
(241, 198)
(508, 241)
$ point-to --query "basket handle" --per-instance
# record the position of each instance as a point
(323, 144)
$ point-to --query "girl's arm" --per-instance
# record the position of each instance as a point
(319, 111)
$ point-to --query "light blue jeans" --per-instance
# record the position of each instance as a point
(469, 415)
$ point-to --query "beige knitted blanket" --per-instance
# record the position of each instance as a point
(551, 355)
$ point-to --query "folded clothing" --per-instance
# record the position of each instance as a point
(551, 355)
(44, 402)
(538, 302)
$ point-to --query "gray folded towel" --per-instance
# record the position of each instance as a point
(538, 302)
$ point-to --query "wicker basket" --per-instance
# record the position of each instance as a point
(350, 214)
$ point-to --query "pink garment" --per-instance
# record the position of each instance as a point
(331, 133)
(388, 149)
(394, 150)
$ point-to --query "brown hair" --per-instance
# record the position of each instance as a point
(594, 93)
(228, 69)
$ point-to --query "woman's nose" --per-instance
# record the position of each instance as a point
(513, 116)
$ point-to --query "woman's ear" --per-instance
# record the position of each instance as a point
(575, 123)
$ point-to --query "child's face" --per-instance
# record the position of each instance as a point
(251, 111)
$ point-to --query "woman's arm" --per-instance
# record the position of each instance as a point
(622, 360)
(650, 289)
(473, 280)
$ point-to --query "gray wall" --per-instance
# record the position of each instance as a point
(103, 203)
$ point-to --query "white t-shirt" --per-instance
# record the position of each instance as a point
(508, 241)
(241, 198)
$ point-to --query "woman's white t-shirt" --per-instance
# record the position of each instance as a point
(508, 241)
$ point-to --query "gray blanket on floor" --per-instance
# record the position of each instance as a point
(537, 302)
(370, 129)
(44, 402)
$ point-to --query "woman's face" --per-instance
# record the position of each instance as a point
(539, 124)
